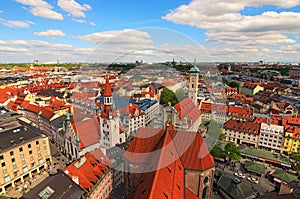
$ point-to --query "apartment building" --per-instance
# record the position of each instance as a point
(24, 152)
(271, 137)
(242, 132)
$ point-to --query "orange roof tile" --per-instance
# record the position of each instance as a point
(88, 131)
(107, 88)
(187, 108)
(87, 169)
(242, 126)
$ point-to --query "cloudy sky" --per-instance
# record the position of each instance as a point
(157, 30)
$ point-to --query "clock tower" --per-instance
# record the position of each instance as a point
(193, 83)
(110, 131)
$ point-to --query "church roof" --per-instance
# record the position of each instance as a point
(107, 88)
(166, 154)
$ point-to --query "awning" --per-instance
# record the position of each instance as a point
(279, 181)
(286, 165)
(272, 171)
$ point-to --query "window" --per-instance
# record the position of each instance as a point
(4, 171)
(11, 153)
(37, 142)
(1, 157)
(29, 145)
(20, 149)
(25, 169)
(23, 162)
(14, 166)
(39, 155)
(30, 152)
(7, 179)
(3, 164)
(22, 156)
(31, 158)
(13, 159)
(38, 148)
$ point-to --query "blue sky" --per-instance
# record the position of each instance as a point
(157, 30)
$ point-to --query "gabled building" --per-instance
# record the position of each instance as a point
(185, 115)
(291, 142)
(242, 132)
(155, 155)
(250, 88)
(92, 175)
(132, 119)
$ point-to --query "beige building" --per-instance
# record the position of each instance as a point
(250, 89)
(24, 152)
(242, 132)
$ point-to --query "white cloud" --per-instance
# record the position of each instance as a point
(14, 24)
(127, 38)
(46, 13)
(79, 20)
(74, 8)
(35, 3)
(41, 8)
(50, 33)
(225, 25)
(28, 50)
(92, 23)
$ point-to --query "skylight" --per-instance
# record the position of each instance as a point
(46, 192)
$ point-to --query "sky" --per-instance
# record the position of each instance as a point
(152, 31)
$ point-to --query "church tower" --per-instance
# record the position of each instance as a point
(110, 131)
(193, 83)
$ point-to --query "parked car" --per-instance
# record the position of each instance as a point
(252, 179)
(238, 174)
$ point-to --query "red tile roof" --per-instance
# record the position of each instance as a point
(190, 147)
(87, 169)
(131, 109)
(187, 108)
(165, 165)
(206, 107)
(107, 88)
(88, 132)
(240, 112)
(242, 126)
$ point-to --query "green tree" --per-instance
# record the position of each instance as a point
(168, 96)
(233, 85)
(232, 151)
(180, 94)
(222, 136)
(217, 152)
(296, 157)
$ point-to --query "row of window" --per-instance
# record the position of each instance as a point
(3, 164)
(11, 153)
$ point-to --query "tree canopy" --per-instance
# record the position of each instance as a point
(168, 96)
(232, 151)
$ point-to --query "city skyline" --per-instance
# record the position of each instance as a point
(117, 31)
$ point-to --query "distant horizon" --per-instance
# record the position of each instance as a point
(158, 62)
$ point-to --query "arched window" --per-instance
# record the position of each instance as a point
(206, 181)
